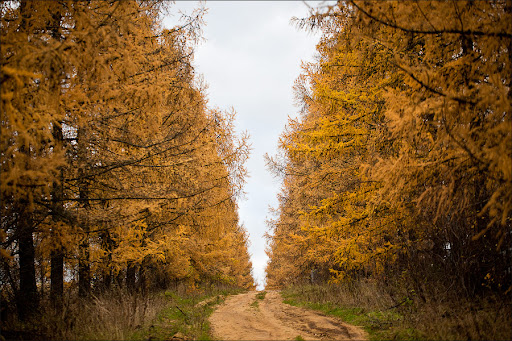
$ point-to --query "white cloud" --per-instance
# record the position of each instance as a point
(251, 57)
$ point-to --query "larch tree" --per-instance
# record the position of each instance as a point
(452, 129)
(329, 150)
(112, 162)
(403, 145)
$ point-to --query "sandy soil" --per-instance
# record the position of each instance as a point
(236, 319)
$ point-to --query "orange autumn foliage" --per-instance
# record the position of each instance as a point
(399, 163)
(112, 162)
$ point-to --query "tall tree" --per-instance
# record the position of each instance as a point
(402, 143)
(110, 155)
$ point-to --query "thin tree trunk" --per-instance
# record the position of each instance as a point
(28, 300)
(57, 278)
(26, 297)
(57, 255)
(84, 269)
(107, 245)
(130, 276)
(142, 285)
(120, 278)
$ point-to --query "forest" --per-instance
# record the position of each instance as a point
(120, 185)
(115, 173)
(397, 175)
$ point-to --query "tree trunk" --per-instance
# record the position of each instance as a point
(28, 303)
(57, 255)
(142, 285)
(57, 278)
(130, 276)
(84, 269)
(107, 246)
(120, 278)
(107, 279)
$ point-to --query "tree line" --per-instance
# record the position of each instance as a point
(114, 170)
(399, 168)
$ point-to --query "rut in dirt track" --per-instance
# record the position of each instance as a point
(270, 319)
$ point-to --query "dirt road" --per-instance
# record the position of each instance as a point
(239, 318)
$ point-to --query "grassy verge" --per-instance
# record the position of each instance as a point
(185, 317)
(411, 319)
(121, 315)
(380, 325)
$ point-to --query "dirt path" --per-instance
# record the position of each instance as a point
(240, 319)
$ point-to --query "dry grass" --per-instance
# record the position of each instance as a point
(362, 294)
(405, 316)
(487, 318)
(112, 316)
(120, 315)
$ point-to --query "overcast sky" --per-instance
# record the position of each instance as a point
(250, 59)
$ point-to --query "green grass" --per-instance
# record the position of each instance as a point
(365, 304)
(259, 296)
(121, 315)
(185, 317)
(380, 325)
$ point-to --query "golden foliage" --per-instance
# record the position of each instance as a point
(108, 149)
(403, 148)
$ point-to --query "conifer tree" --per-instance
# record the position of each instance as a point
(402, 147)
(111, 160)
